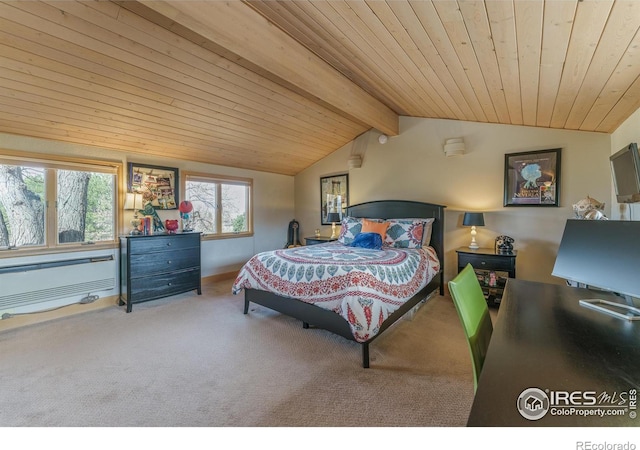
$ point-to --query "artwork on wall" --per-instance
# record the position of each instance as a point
(334, 191)
(157, 185)
(532, 178)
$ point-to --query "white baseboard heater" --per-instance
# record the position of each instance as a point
(41, 286)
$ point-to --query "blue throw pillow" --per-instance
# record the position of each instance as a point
(367, 240)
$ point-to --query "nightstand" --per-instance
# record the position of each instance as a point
(318, 240)
(491, 267)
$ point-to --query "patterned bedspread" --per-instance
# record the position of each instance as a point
(362, 285)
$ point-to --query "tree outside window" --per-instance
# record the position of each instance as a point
(221, 206)
(22, 205)
(77, 207)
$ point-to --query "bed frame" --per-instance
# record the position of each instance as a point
(322, 318)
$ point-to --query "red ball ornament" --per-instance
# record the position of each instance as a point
(185, 206)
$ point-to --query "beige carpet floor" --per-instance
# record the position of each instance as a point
(197, 361)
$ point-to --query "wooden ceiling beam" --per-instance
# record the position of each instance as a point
(269, 48)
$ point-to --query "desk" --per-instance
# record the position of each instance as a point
(576, 357)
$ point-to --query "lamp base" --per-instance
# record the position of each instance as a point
(333, 231)
(473, 244)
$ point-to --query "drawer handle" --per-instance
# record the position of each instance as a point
(168, 244)
(169, 284)
(483, 263)
(169, 262)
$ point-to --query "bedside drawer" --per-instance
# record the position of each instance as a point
(490, 262)
(163, 243)
(143, 264)
(147, 288)
(318, 240)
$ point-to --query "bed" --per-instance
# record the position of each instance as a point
(353, 292)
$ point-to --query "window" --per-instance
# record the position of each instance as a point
(49, 204)
(221, 205)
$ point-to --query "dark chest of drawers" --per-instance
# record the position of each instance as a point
(157, 266)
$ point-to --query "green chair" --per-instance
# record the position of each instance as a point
(474, 314)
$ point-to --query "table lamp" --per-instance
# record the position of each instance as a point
(333, 218)
(133, 201)
(473, 220)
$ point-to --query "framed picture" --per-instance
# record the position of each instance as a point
(532, 178)
(158, 185)
(334, 191)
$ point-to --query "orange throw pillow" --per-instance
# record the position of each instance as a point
(369, 226)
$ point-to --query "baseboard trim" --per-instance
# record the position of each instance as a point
(220, 277)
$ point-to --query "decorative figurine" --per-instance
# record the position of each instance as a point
(589, 209)
(185, 208)
(149, 210)
(171, 225)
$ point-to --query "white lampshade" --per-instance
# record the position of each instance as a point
(132, 200)
(129, 201)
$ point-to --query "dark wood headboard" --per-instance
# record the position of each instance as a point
(398, 209)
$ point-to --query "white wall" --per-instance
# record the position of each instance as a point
(272, 195)
(412, 166)
(626, 133)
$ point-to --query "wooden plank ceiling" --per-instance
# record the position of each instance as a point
(277, 85)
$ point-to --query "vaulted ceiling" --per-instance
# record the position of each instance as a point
(277, 85)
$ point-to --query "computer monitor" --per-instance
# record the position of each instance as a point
(625, 171)
(603, 254)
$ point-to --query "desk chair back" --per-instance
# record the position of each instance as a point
(474, 314)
